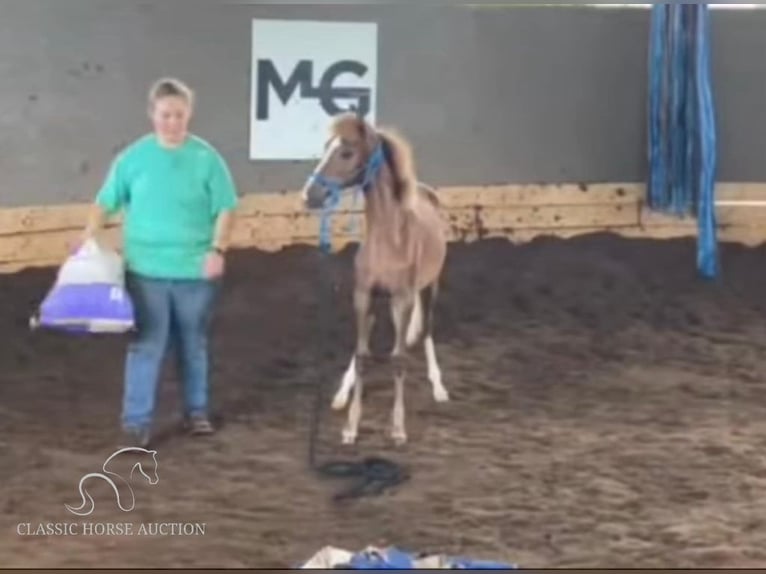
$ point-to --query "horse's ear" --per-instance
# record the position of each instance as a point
(359, 118)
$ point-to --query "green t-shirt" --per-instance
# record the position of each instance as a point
(170, 198)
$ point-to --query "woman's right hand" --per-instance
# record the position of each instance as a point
(76, 244)
(96, 219)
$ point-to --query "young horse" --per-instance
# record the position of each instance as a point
(402, 253)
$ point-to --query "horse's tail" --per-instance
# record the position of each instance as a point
(84, 493)
(80, 510)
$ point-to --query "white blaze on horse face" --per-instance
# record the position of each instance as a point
(331, 147)
(334, 144)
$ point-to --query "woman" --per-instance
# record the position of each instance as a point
(178, 197)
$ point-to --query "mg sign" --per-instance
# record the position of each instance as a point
(270, 81)
(303, 74)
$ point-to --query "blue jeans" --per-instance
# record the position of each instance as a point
(169, 313)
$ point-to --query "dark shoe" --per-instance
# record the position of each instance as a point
(135, 437)
(199, 425)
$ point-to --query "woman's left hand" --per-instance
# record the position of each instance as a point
(214, 265)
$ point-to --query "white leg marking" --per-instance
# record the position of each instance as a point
(398, 430)
(434, 372)
(354, 416)
(347, 383)
(416, 323)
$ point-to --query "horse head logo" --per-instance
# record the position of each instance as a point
(88, 504)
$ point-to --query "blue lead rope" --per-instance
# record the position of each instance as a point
(335, 193)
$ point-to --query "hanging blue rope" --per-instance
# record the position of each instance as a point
(707, 251)
(682, 135)
(657, 114)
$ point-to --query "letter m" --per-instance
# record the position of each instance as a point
(268, 77)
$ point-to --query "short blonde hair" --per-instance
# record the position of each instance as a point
(170, 87)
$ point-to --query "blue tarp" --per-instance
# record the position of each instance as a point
(393, 558)
(682, 130)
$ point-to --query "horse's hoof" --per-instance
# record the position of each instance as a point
(339, 401)
(399, 437)
(348, 437)
(441, 395)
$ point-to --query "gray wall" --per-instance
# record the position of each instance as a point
(487, 96)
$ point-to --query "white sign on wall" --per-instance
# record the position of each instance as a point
(303, 74)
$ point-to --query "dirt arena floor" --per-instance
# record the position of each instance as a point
(608, 410)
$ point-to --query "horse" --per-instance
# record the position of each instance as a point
(402, 253)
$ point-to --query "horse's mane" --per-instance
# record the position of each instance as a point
(396, 150)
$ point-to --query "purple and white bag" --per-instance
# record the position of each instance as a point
(89, 294)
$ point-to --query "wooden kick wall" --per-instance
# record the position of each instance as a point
(43, 235)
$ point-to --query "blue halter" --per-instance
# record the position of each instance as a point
(335, 192)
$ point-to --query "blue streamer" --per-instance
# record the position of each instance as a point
(657, 176)
(707, 246)
(679, 194)
(695, 126)
(682, 136)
